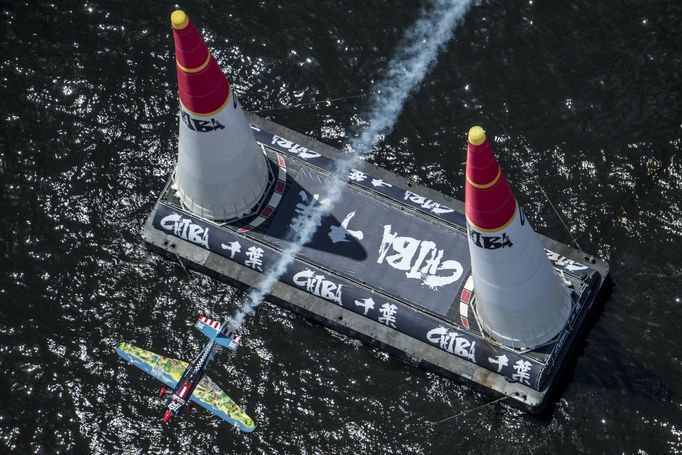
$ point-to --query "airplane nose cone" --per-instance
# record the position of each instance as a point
(167, 416)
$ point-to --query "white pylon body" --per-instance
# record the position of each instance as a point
(221, 171)
(520, 300)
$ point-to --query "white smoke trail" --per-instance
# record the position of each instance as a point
(412, 60)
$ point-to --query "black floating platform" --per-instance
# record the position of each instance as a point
(389, 265)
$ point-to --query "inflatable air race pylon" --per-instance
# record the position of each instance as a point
(520, 300)
(221, 173)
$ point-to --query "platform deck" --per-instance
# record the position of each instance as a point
(389, 265)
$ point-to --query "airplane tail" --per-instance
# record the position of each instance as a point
(218, 332)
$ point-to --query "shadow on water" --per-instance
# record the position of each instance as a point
(643, 385)
(623, 373)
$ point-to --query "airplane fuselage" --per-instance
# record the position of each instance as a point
(179, 399)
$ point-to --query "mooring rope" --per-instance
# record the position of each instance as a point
(559, 215)
(419, 428)
(314, 103)
(465, 412)
(182, 263)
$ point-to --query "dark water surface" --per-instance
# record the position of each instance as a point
(582, 98)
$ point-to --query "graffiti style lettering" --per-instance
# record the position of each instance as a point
(366, 304)
(255, 258)
(522, 368)
(338, 233)
(388, 311)
(427, 204)
(419, 259)
(357, 176)
(233, 247)
(379, 183)
(200, 125)
(452, 342)
(501, 361)
(490, 242)
(294, 148)
(564, 262)
(185, 229)
(319, 285)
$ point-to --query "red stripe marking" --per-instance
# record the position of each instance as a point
(203, 92)
(280, 161)
(183, 390)
(190, 49)
(279, 188)
(482, 167)
(267, 211)
(466, 296)
(465, 322)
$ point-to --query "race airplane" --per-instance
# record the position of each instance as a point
(188, 380)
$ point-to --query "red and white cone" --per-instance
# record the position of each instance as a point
(221, 172)
(520, 300)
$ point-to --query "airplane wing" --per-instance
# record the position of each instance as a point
(167, 370)
(208, 395)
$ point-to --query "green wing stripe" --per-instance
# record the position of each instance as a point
(209, 395)
(167, 370)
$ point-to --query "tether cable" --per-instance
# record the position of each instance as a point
(490, 403)
(181, 263)
(559, 215)
(314, 103)
(420, 426)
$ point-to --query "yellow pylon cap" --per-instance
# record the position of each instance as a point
(476, 135)
(179, 19)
